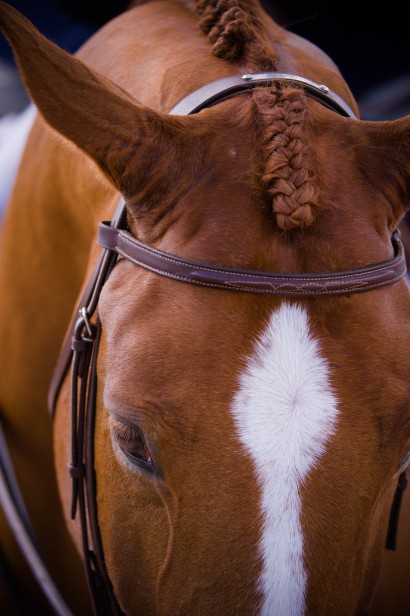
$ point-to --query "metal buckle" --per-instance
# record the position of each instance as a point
(86, 320)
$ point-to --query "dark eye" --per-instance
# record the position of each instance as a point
(132, 443)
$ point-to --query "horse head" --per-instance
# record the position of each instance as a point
(247, 446)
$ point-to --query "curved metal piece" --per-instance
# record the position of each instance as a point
(222, 89)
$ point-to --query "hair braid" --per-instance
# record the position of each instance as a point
(235, 32)
(288, 175)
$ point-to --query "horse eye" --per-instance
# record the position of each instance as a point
(132, 443)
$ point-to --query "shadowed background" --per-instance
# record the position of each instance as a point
(368, 42)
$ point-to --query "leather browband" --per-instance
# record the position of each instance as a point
(249, 281)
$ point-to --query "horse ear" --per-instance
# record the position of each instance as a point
(90, 110)
(384, 158)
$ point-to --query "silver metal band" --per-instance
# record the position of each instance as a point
(222, 89)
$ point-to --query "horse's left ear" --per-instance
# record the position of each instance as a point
(130, 142)
(383, 157)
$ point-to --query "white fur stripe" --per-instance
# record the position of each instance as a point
(285, 413)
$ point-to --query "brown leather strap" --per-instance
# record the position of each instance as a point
(250, 281)
(85, 345)
(89, 300)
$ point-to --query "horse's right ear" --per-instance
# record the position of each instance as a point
(383, 157)
(95, 114)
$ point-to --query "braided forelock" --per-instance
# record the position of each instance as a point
(288, 175)
(236, 33)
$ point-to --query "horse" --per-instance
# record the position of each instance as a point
(202, 225)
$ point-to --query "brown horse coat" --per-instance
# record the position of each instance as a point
(271, 181)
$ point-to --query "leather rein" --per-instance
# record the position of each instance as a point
(80, 348)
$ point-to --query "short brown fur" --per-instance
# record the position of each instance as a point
(172, 355)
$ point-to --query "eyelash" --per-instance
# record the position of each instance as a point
(128, 439)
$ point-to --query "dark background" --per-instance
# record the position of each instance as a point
(368, 42)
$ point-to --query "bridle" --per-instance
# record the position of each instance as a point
(80, 348)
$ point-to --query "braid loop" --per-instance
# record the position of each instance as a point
(288, 175)
(235, 32)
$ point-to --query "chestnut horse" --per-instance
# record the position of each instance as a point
(248, 439)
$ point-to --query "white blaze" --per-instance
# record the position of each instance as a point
(285, 413)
